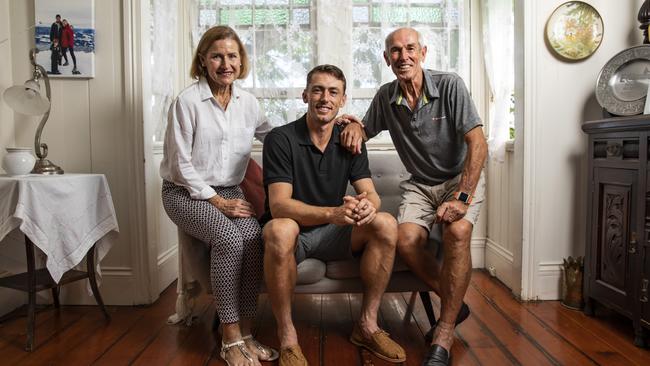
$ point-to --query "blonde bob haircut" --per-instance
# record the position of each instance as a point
(209, 37)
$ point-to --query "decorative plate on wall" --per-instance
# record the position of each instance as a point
(622, 85)
(574, 30)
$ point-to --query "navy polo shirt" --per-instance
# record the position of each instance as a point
(318, 178)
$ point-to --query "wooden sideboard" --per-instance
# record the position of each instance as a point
(617, 253)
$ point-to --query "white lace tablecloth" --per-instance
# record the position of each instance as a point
(63, 215)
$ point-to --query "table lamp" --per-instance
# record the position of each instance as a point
(27, 99)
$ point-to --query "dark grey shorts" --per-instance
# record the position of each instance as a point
(328, 242)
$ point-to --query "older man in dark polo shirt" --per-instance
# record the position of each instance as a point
(306, 174)
(436, 131)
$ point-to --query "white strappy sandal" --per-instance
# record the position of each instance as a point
(267, 353)
(225, 347)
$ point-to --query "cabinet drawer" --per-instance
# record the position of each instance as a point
(616, 148)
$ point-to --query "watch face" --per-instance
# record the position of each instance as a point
(463, 197)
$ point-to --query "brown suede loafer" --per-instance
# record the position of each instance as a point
(292, 356)
(381, 345)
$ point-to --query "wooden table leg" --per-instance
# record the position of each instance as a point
(31, 284)
(55, 296)
(90, 261)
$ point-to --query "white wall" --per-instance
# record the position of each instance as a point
(6, 80)
(559, 97)
(11, 254)
(89, 131)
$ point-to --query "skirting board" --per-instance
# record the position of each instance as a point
(477, 248)
(549, 281)
(11, 300)
(167, 267)
(501, 260)
(116, 289)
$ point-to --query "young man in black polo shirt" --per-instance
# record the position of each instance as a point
(306, 173)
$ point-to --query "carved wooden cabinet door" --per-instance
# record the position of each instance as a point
(644, 243)
(617, 251)
(614, 228)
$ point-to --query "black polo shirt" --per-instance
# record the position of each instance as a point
(318, 178)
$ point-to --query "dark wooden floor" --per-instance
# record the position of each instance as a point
(500, 331)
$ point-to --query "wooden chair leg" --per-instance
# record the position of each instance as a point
(31, 285)
(428, 307)
(90, 261)
(55, 296)
(215, 321)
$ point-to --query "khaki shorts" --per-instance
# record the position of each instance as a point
(420, 201)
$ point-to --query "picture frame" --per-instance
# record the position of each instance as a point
(622, 86)
(574, 31)
(64, 35)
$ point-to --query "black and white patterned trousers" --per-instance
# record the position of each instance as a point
(236, 256)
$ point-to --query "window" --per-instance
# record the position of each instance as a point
(440, 23)
(286, 38)
(279, 36)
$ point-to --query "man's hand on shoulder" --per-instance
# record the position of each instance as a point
(451, 211)
(352, 135)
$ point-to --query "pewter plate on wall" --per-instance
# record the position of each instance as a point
(622, 85)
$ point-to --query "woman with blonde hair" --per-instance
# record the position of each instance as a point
(210, 130)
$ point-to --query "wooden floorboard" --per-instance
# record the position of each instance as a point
(400, 326)
(336, 327)
(619, 338)
(126, 349)
(552, 343)
(522, 348)
(461, 354)
(594, 346)
(500, 331)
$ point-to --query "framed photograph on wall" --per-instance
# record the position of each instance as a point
(65, 37)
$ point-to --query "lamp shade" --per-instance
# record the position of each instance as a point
(27, 98)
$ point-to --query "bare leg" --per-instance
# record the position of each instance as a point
(378, 241)
(411, 247)
(236, 356)
(231, 332)
(456, 273)
(280, 273)
(262, 352)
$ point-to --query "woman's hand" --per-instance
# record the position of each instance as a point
(232, 208)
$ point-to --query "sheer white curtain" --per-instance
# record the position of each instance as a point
(164, 61)
(286, 38)
(497, 18)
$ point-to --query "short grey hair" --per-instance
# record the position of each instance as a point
(391, 34)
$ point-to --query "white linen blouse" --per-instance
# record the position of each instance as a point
(206, 145)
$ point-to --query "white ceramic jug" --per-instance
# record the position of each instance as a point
(18, 161)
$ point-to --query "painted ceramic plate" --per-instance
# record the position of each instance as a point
(622, 85)
(574, 30)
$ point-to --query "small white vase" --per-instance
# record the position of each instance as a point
(18, 161)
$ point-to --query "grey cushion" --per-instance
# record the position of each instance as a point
(310, 271)
(345, 269)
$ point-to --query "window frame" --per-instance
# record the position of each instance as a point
(342, 10)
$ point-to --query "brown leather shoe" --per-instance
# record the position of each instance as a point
(292, 356)
(380, 345)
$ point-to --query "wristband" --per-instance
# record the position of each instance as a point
(463, 197)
